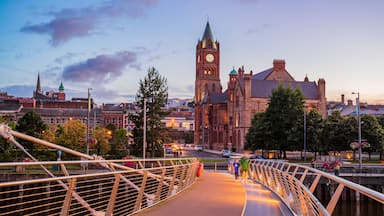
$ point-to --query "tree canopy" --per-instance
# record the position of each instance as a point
(280, 127)
(155, 91)
(31, 124)
(72, 135)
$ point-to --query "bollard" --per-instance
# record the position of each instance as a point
(215, 166)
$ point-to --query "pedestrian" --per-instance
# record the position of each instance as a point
(313, 163)
(236, 167)
(244, 165)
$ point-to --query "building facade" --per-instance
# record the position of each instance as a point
(222, 118)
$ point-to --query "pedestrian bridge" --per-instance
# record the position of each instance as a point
(94, 186)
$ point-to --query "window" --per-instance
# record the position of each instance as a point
(230, 120)
(220, 136)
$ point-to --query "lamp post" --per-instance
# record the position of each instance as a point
(88, 117)
(145, 128)
(359, 128)
(305, 135)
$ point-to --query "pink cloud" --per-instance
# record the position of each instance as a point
(70, 23)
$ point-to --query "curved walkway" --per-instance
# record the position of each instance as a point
(261, 201)
(212, 194)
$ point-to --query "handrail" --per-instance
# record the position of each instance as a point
(295, 184)
(28, 197)
(183, 173)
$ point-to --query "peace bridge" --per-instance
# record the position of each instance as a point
(164, 187)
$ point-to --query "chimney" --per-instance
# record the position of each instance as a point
(278, 64)
(350, 102)
(342, 99)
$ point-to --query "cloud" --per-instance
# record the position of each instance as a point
(67, 56)
(80, 22)
(186, 91)
(100, 68)
(258, 29)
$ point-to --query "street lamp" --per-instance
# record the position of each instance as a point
(359, 128)
(88, 117)
(305, 135)
(145, 128)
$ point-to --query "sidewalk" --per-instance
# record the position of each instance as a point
(212, 194)
(261, 201)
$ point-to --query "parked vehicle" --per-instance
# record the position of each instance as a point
(168, 151)
(199, 147)
(226, 153)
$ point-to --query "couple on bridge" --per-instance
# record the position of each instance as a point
(243, 166)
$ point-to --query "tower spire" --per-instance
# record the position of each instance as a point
(208, 33)
(38, 86)
(61, 87)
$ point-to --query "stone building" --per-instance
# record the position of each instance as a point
(222, 118)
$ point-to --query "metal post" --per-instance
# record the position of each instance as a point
(145, 128)
(359, 129)
(305, 136)
(203, 120)
(88, 116)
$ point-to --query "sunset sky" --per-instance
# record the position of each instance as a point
(109, 45)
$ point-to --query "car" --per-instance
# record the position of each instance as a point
(168, 151)
(199, 147)
(226, 153)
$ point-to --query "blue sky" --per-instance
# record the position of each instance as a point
(109, 45)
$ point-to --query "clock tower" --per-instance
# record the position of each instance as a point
(207, 79)
(207, 65)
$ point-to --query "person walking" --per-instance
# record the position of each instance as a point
(244, 165)
(236, 167)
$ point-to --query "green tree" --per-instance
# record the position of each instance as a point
(72, 134)
(119, 144)
(7, 149)
(373, 133)
(285, 116)
(101, 146)
(314, 124)
(154, 89)
(338, 132)
(258, 136)
(31, 124)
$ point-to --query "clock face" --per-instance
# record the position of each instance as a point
(209, 57)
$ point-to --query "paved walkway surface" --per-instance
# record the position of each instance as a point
(261, 201)
(212, 194)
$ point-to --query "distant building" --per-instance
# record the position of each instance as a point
(222, 118)
(118, 115)
(349, 109)
(180, 126)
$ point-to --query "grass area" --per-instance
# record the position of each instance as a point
(213, 160)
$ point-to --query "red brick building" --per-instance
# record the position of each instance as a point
(222, 118)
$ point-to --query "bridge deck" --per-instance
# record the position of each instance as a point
(212, 194)
(219, 194)
(261, 201)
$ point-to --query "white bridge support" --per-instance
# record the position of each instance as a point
(295, 185)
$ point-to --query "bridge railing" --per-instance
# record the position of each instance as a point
(295, 184)
(101, 187)
(98, 192)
